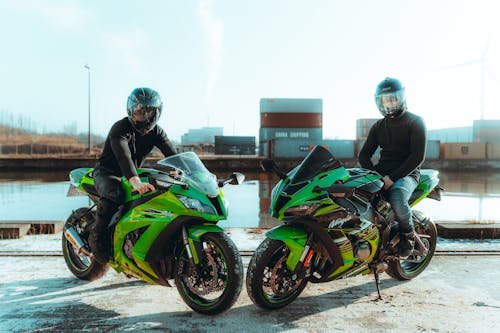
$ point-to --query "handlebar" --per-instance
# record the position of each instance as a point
(137, 192)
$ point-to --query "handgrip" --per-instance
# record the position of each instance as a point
(137, 192)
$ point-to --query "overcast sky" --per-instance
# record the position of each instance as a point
(212, 60)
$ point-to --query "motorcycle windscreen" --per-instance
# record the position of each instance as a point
(317, 161)
(193, 171)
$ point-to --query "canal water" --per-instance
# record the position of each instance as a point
(469, 197)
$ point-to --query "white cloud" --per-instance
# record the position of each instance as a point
(213, 29)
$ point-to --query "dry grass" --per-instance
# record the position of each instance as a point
(481, 222)
(59, 140)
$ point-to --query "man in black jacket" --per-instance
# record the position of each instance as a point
(401, 135)
(128, 143)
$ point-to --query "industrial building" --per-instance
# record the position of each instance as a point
(483, 130)
(204, 135)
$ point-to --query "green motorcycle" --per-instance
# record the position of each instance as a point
(337, 224)
(169, 234)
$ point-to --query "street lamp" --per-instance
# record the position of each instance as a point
(88, 82)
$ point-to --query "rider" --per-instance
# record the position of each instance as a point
(128, 143)
(401, 135)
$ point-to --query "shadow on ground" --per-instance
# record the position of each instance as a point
(57, 305)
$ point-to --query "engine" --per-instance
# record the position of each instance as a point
(130, 240)
(362, 250)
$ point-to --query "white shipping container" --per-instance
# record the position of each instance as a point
(464, 151)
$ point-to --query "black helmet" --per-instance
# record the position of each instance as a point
(144, 107)
(390, 97)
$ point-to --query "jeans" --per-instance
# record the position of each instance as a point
(399, 194)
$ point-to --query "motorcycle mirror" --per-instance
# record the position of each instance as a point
(237, 178)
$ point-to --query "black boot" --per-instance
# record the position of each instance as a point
(406, 243)
(101, 247)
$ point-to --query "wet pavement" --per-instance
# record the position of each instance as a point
(454, 294)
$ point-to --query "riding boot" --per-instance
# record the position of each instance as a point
(100, 245)
(406, 244)
(99, 239)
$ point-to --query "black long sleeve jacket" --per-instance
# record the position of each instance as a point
(402, 141)
(125, 150)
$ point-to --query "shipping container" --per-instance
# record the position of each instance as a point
(433, 150)
(291, 105)
(291, 119)
(464, 151)
(363, 127)
(341, 149)
(291, 148)
(234, 145)
(291, 133)
(493, 150)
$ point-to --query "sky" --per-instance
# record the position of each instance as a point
(213, 60)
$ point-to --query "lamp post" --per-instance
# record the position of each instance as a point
(88, 83)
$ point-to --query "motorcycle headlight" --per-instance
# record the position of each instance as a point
(196, 205)
(302, 210)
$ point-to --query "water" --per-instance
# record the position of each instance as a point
(42, 196)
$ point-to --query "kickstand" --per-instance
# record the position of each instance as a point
(377, 283)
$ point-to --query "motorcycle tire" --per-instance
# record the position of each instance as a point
(270, 284)
(82, 266)
(215, 284)
(409, 268)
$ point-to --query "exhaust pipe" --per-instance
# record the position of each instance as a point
(75, 240)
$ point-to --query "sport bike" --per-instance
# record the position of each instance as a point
(168, 234)
(337, 223)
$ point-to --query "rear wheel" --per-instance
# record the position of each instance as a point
(270, 284)
(415, 264)
(215, 284)
(82, 266)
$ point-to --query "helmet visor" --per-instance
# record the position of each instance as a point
(390, 103)
(145, 113)
(144, 118)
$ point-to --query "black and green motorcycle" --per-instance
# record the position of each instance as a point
(169, 234)
(336, 224)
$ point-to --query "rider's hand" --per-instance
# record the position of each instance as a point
(387, 182)
(140, 186)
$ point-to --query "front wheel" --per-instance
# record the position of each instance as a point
(214, 285)
(82, 266)
(415, 264)
(270, 284)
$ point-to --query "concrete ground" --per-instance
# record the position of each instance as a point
(454, 294)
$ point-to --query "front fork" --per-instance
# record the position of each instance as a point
(191, 240)
(187, 245)
(303, 266)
